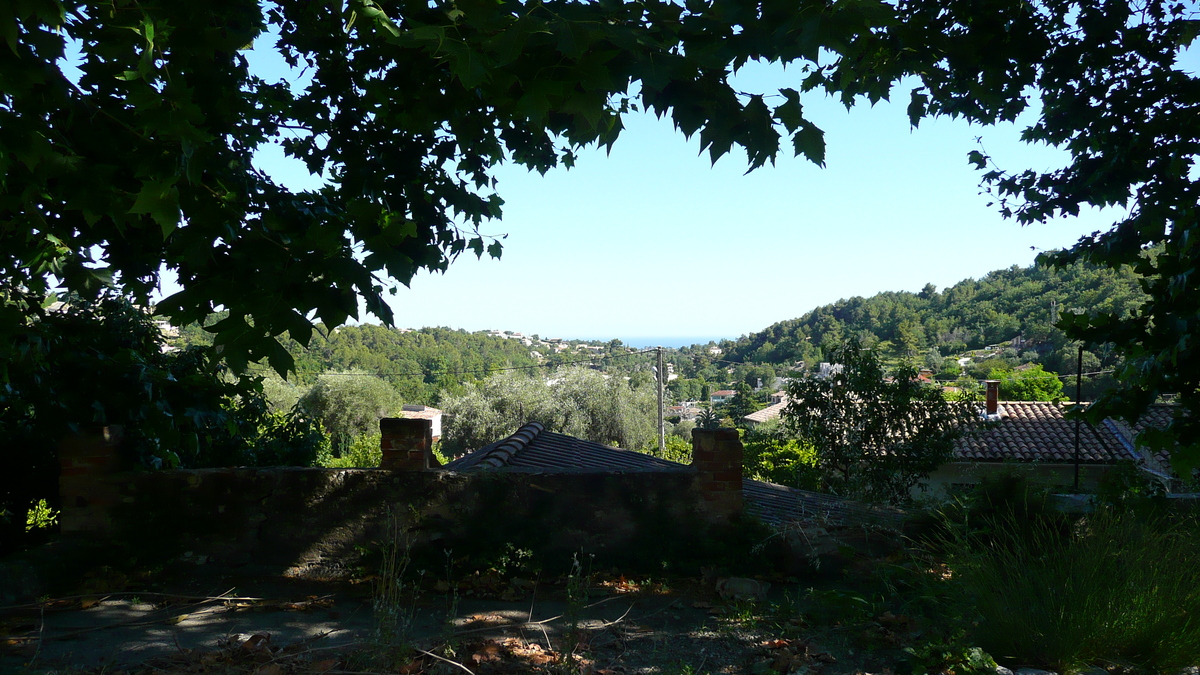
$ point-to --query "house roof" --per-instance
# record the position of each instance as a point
(535, 448)
(1036, 431)
(1157, 416)
(426, 413)
(532, 447)
(768, 413)
(724, 392)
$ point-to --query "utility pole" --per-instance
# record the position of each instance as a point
(1078, 390)
(662, 435)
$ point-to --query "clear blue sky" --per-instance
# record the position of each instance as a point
(654, 241)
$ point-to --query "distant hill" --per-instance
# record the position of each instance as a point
(932, 324)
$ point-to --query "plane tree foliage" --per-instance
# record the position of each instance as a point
(139, 154)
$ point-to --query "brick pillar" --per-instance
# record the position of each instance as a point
(87, 461)
(717, 458)
(407, 444)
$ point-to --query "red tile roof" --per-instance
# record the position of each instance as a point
(1036, 431)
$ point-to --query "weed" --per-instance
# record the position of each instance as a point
(1111, 588)
(40, 516)
(579, 582)
(680, 668)
(839, 605)
(451, 600)
(952, 655)
(393, 618)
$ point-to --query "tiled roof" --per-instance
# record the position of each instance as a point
(779, 505)
(724, 392)
(535, 448)
(768, 413)
(426, 414)
(1036, 431)
(1157, 416)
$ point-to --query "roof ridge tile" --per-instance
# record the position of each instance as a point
(503, 452)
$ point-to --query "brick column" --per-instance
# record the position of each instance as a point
(407, 444)
(87, 461)
(717, 458)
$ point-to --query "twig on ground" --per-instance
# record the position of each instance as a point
(440, 658)
(40, 639)
(606, 624)
(105, 596)
(297, 652)
(533, 599)
(549, 647)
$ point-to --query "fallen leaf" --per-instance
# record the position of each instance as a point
(270, 669)
(322, 666)
(256, 642)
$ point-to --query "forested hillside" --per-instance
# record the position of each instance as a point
(932, 329)
(931, 325)
(426, 364)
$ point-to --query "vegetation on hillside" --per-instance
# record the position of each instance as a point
(932, 328)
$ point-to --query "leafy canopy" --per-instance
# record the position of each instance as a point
(144, 158)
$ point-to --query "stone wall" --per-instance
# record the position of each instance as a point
(313, 522)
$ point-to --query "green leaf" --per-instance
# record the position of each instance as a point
(790, 113)
(494, 249)
(977, 158)
(809, 141)
(917, 107)
(160, 201)
(9, 27)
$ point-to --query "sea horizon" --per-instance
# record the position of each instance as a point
(646, 342)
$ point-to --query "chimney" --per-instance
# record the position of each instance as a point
(407, 444)
(993, 396)
(717, 458)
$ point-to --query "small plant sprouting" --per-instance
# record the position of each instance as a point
(451, 604)
(579, 583)
(394, 619)
(40, 516)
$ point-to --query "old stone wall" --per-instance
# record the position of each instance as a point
(316, 522)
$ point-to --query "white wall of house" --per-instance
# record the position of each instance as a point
(953, 475)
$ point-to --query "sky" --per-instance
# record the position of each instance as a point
(654, 245)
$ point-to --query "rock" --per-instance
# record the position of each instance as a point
(739, 588)
(1001, 670)
(1034, 671)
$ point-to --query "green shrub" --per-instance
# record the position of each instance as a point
(775, 458)
(364, 451)
(1110, 589)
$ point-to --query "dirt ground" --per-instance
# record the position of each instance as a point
(485, 623)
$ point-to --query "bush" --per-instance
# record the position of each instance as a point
(363, 452)
(1110, 589)
(775, 458)
(349, 405)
